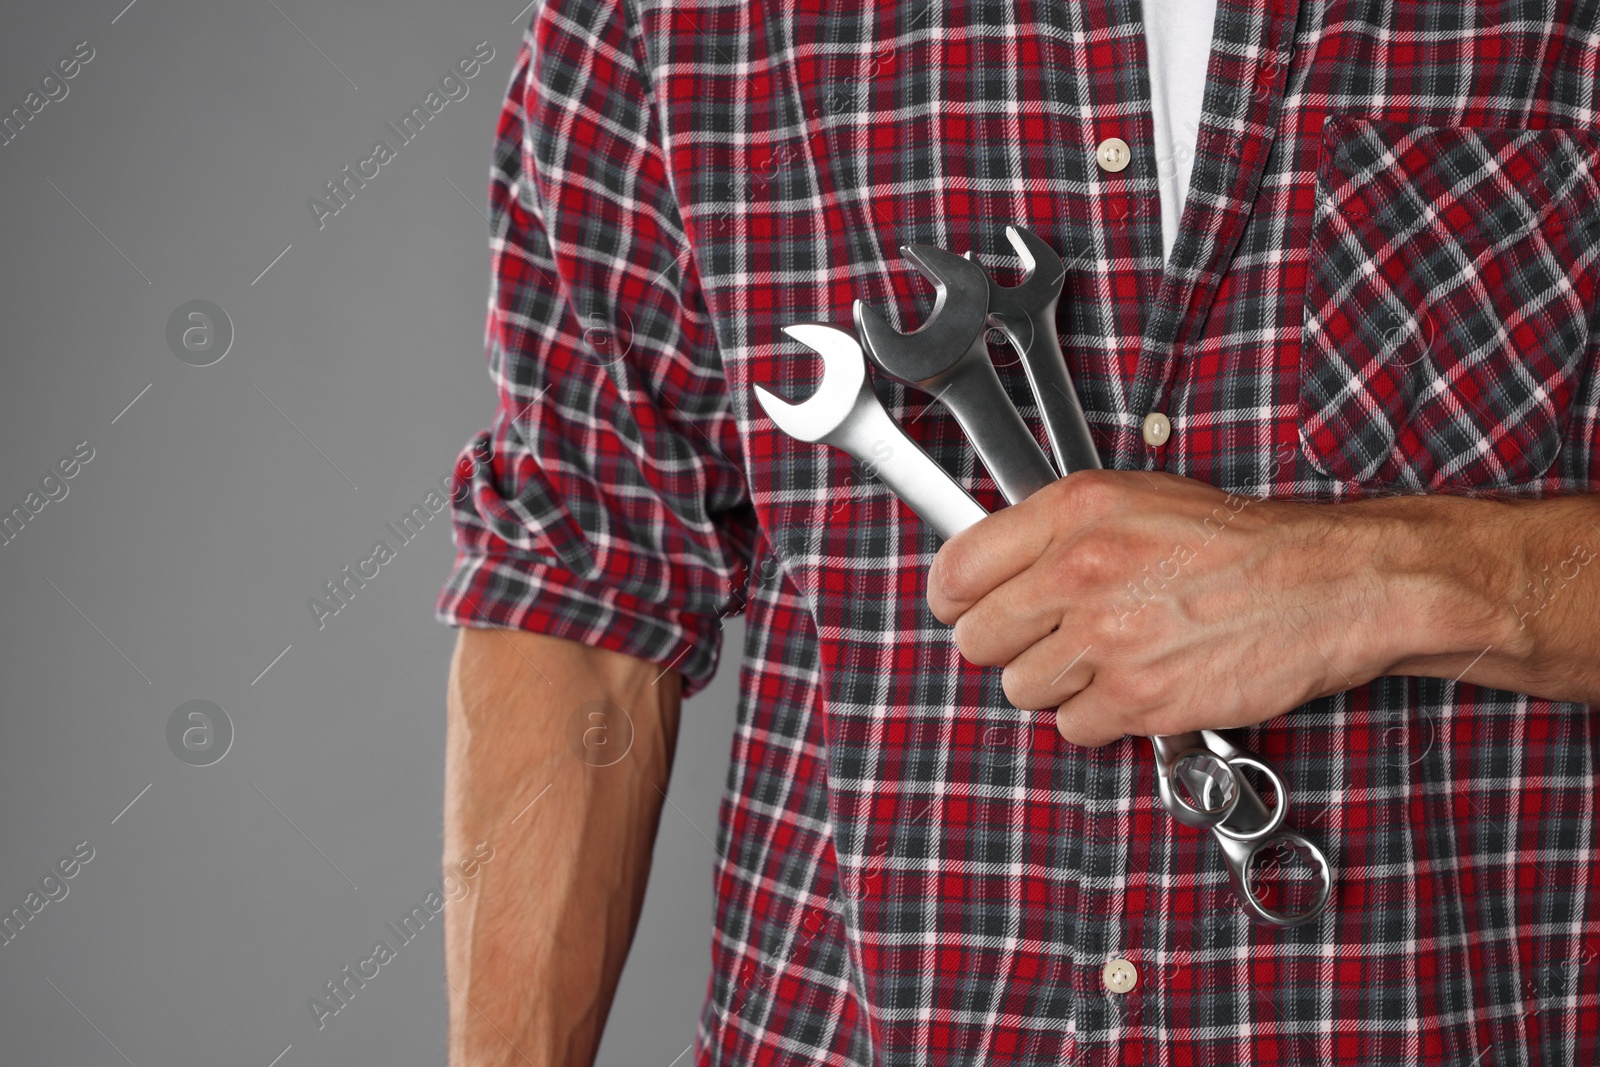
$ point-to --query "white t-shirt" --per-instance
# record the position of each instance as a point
(1178, 39)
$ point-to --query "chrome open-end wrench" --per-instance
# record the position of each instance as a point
(948, 357)
(1199, 782)
(1026, 312)
(844, 412)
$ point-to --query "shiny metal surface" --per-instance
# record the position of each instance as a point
(1200, 778)
(1251, 830)
(1026, 313)
(844, 412)
(948, 357)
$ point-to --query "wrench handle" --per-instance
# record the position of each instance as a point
(972, 392)
(1242, 823)
(1035, 338)
(871, 436)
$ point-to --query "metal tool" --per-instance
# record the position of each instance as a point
(844, 412)
(1026, 312)
(1251, 830)
(1198, 774)
(949, 357)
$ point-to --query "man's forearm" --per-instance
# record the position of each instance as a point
(1501, 593)
(534, 950)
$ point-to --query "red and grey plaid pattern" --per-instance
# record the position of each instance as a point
(1385, 282)
(1453, 274)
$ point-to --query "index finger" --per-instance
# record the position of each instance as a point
(987, 553)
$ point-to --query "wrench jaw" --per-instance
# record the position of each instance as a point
(948, 356)
(1027, 314)
(1045, 270)
(954, 326)
(845, 413)
(844, 375)
(1019, 309)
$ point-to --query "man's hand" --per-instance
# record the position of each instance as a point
(1147, 603)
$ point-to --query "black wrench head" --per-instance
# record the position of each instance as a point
(1040, 286)
(959, 317)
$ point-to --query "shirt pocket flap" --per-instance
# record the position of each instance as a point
(1450, 286)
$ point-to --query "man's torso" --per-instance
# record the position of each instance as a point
(1384, 282)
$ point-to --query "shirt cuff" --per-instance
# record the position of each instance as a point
(518, 593)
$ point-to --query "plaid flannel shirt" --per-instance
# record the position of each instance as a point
(1385, 282)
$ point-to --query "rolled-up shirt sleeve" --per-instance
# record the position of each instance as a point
(606, 502)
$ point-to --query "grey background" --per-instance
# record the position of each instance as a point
(180, 562)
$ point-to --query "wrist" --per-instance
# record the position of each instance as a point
(1447, 570)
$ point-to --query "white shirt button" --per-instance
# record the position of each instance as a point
(1157, 429)
(1119, 976)
(1112, 154)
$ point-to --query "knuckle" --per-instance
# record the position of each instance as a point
(1019, 689)
(1107, 630)
(1139, 689)
(1131, 621)
(1092, 561)
(1065, 726)
(950, 575)
(941, 606)
(968, 634)
(1087, 491)
(1069, 726)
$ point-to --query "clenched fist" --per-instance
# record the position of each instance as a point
(1146, 603)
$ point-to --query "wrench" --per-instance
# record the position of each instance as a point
(1027, 314)
(844, 412)
(948, 357)
(1197, 773)
(1198, 781)
(1197, 788)
(1253, 828)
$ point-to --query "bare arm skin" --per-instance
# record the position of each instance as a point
(534, 949)
(1142, 603)
(1518, 576)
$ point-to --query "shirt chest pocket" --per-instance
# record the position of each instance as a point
(1451, 285)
